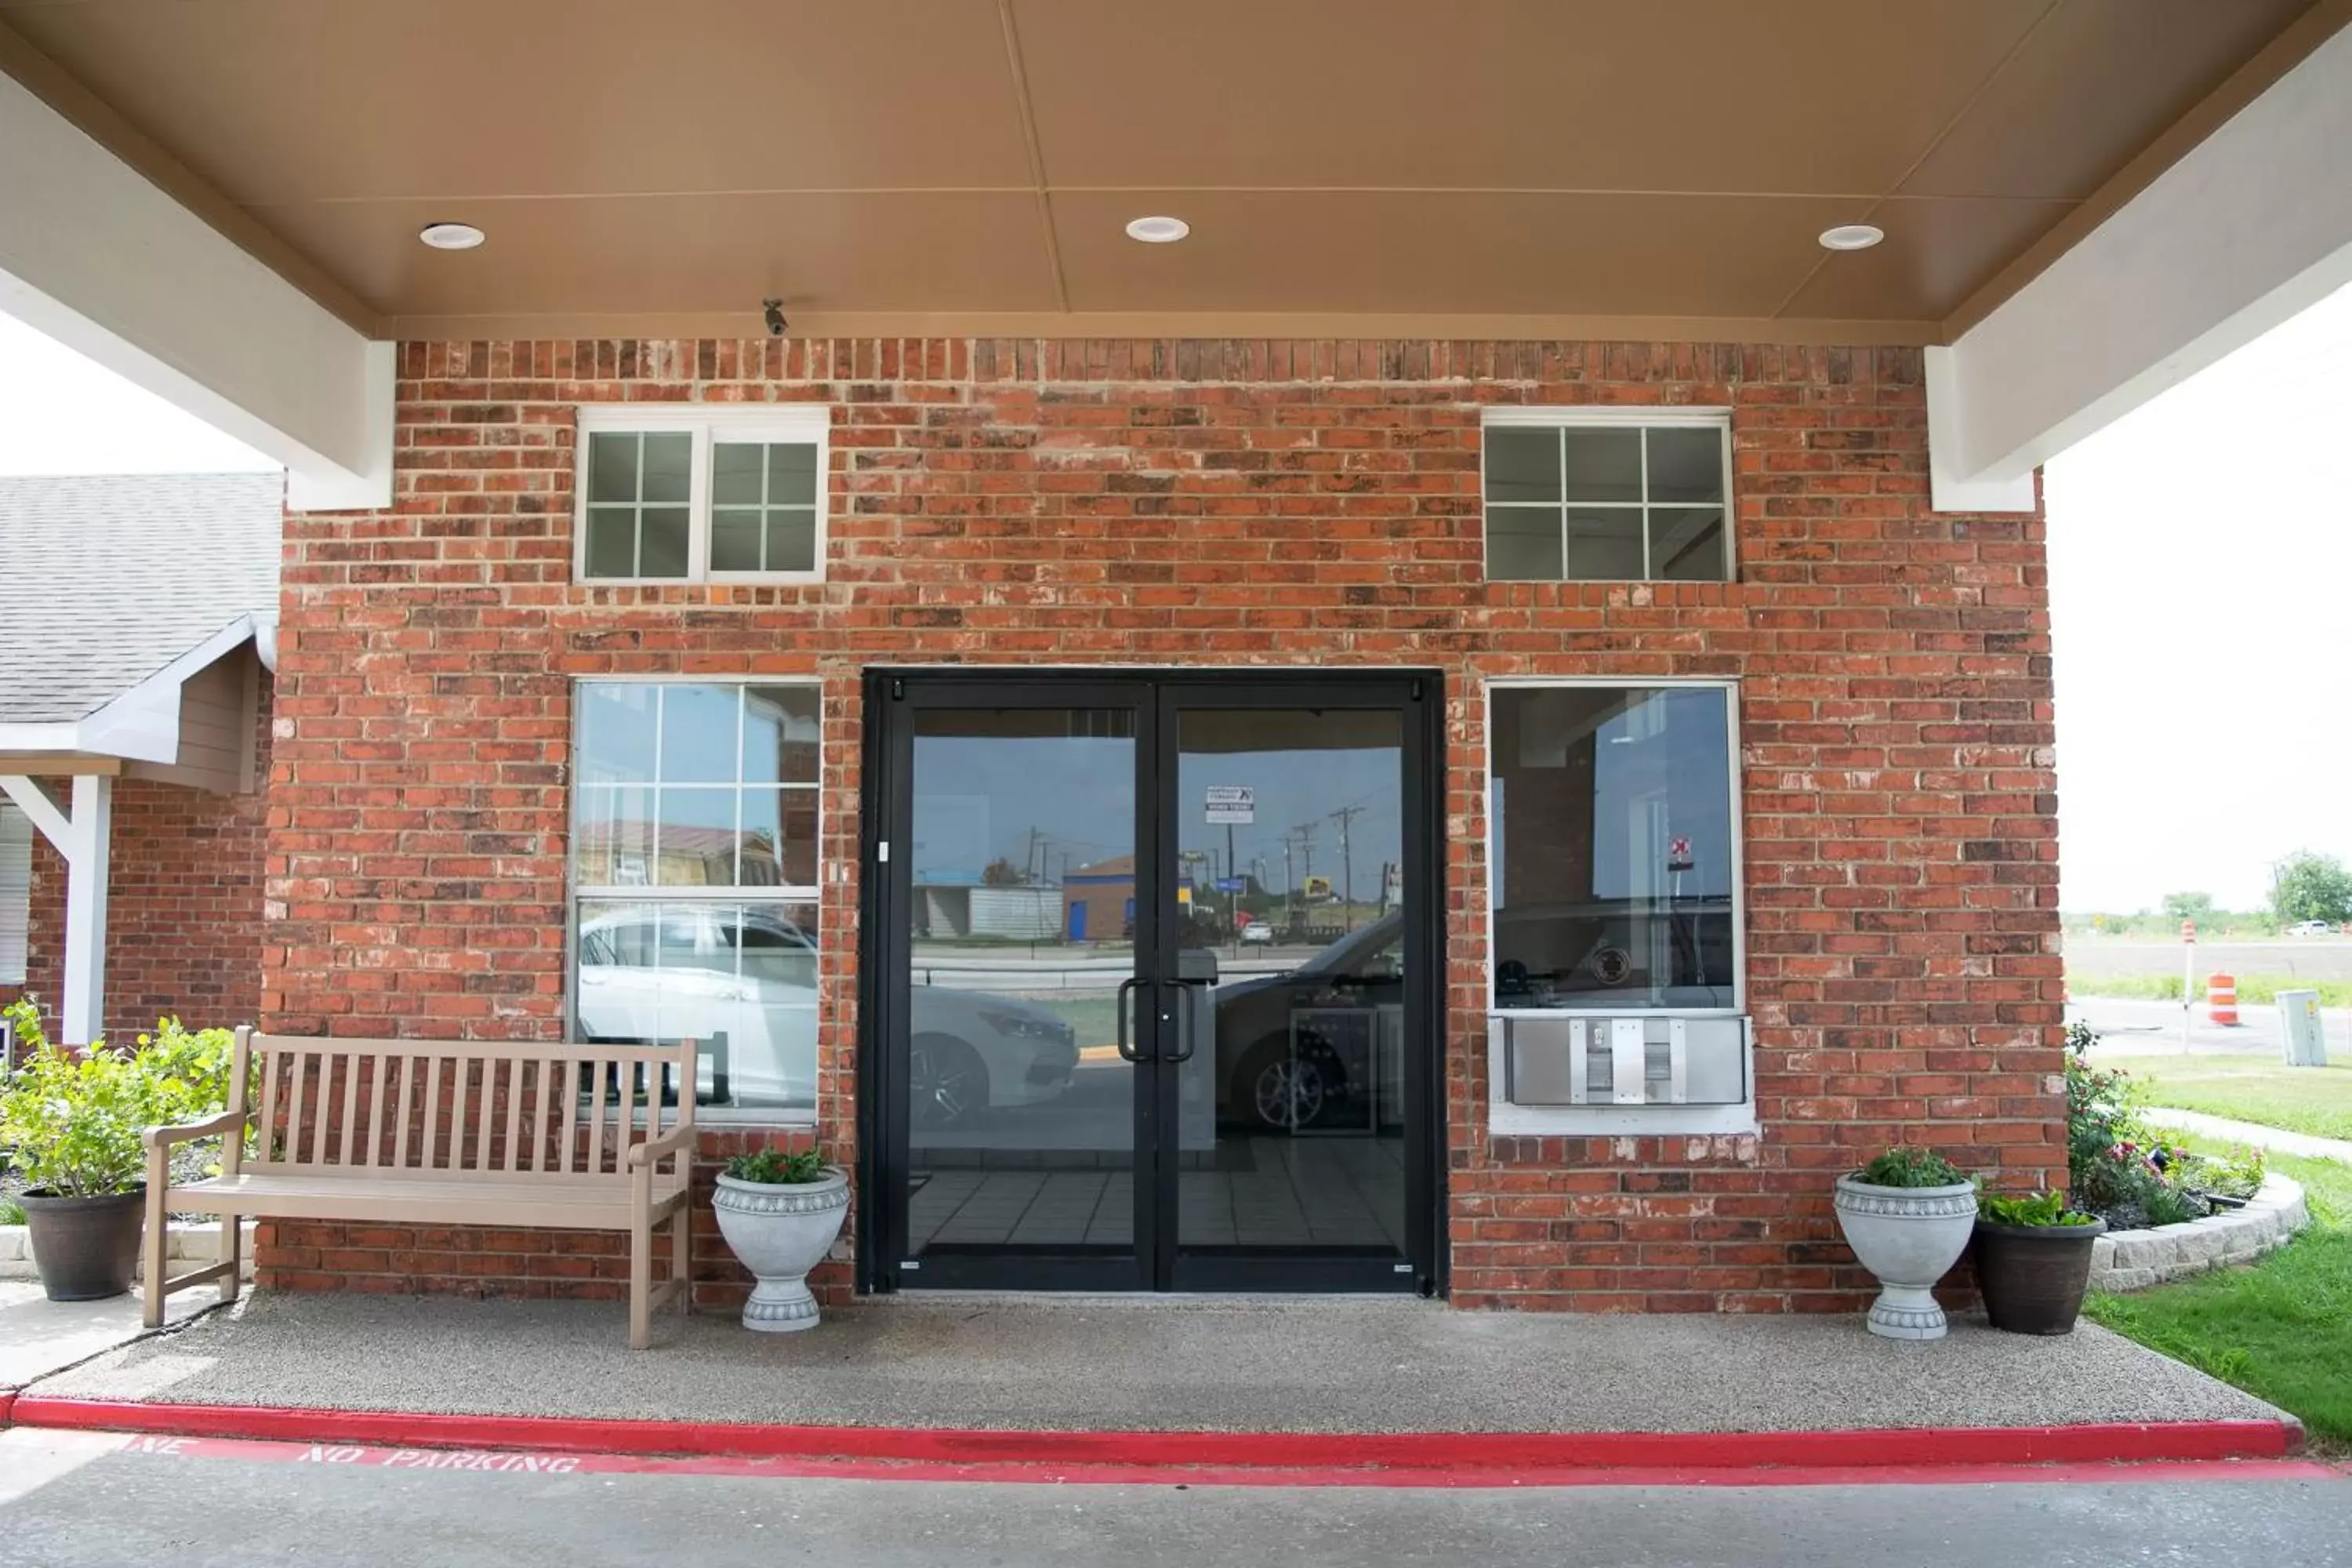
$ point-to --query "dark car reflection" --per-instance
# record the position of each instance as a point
(1318, 1049)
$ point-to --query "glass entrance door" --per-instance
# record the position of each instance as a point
(1014, 1010)
(1153, 977)
(1283, 923)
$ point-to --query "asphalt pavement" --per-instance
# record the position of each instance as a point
(2130, 1027)
(74, 1501)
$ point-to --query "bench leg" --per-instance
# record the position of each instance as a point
(641, 1278)
(681, 1227)
(232, 1252)
(150, 1249)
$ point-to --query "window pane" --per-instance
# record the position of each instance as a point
(1522, 465)
(1604, 546)
(740, 981)
(780, 734)
(735, 541)
(616, 734)
(1603, 465)
(668, 458)
(792, 475)
(697, 741)
(734, 474)
(612, 837)
(791, 542)
(665, 542)
(1687, 546)
(1523, 543)
(1685, 466)
(612, 466)
(612, 541)
(780, 838)
(695, 841)
(1613, 824)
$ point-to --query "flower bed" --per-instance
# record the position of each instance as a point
(2135, 1259)
(2120, 1170)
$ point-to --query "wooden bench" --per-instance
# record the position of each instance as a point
(442, 1133)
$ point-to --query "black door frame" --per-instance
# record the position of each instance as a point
(1156, 696)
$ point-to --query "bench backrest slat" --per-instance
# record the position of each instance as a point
(302, 1102)
(487, 1106)
(570, 1070)
(407, 1104)
(546, 1074)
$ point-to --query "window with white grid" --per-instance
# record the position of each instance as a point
(1607, 495)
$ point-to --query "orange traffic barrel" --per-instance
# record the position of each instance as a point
(2222, 998)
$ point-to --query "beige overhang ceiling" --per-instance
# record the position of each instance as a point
(1625, 167)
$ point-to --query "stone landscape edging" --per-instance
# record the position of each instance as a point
(2135, 1259)
(196, 1241)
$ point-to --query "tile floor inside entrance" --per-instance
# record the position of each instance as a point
(1261, 1192)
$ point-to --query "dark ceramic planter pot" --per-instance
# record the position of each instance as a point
(2033, 1276)
(86, 1248)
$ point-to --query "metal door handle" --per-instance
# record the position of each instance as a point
(1126, 1049)
(1186, 990)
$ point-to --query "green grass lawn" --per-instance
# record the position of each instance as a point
(2318, 1101)
(2281, 1330)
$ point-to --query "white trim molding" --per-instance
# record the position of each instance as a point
(2253, 225)
(82, 836)
(95, 254)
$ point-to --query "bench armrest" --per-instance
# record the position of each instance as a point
(678, 1137)
(181, 1132)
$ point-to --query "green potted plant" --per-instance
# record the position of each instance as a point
(780, 1211)
(71, 1122)
(1908, 1215)
(2034, 1261)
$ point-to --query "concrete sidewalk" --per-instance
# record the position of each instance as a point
(1346, 1365)
(2272, 1138)
(39, 1337)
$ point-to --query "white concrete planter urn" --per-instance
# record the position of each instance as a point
(781, 1231)
(1907, 1237)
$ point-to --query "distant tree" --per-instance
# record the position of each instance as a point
(2307, 886)
(1004, 873)
(2197, 907)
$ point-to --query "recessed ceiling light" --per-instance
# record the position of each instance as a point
(1852, 237)
(451, 236)
(1159, 230)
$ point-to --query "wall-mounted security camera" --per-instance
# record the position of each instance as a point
(773, 311)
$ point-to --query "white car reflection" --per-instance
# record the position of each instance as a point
(673, 971)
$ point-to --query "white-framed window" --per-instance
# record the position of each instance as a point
(16, 892)
(695, 827)
(1616, 944)
(1587, 495)
(697, 493)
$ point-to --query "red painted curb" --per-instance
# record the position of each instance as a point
(1498, 1452)
(250, 1450)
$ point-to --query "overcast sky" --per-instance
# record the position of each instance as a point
(2200, 568)
(2201, 574)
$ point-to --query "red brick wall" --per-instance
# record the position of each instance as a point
(1091, 502)
(183, 905)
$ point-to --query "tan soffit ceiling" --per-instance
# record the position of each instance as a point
(1638, 168)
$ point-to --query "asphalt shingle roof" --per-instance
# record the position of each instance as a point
(104, 581)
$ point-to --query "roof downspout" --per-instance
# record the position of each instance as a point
(264, 641)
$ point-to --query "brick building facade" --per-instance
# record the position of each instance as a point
(1209, 503)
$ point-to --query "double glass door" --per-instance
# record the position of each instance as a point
(1151, 974)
